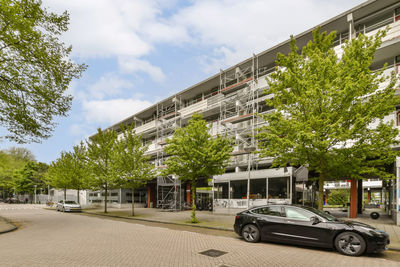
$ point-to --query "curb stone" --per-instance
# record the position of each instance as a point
(164, 222)
(13, 226)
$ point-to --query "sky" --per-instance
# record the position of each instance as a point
(139, 52)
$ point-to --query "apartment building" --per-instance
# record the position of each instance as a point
(230, 100)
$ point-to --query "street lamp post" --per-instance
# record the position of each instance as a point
(35, 193)
(249, 150)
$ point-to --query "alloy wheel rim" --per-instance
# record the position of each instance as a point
(350, 244)
(250, 233)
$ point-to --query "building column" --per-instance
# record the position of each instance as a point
(360, 196)
(151, 195)
(188, 194)
(353, 199)
(369, 196)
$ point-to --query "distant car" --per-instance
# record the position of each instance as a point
(307, 226)
(68, 205)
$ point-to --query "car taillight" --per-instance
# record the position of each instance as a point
(237, 217)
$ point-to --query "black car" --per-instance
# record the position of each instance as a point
(302, 225)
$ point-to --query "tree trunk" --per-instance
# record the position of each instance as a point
(78, 196)
(321, 192)
(65, 194)
(133, 201)
(193, 216)
(105, 199)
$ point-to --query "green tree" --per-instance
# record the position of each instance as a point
(325, 107)
(195, 154)
(35, 69)
(31, 176)
(339, 197)
(21, 153)
(102, 156)
(79, 169)
(132, 164)
(70, 171)
(59, 175)
(9, 163)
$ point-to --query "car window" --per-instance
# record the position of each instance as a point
(70, 202)
(61, 201)
(271, 211)
(298, 214)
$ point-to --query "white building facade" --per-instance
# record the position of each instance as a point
(230, 100)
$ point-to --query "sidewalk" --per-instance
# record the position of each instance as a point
(225, 222)
(6, 226)
(206, 218)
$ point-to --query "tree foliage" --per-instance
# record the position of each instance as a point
(132, 164)
(195, 154)
(10, 162)
(102, 160)
(58, 174)
(35, 69)
(330, 110)
(339, 197)
(32, 175)
(70, 171)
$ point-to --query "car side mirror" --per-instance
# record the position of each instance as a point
(314, 220)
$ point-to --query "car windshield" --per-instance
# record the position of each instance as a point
(324, 215)
(70, 202)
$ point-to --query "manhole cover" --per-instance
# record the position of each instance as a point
(213, 253)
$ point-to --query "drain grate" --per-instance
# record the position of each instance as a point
(213, 253)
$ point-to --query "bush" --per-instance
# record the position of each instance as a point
(338, 197)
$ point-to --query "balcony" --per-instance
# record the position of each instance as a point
(146, 127)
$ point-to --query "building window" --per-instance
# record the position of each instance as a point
(271, 211)
(397, 14)
(398, 117)
(278, 188)
(258, 188)
(298, 214)
(239, 189)
(221, 190)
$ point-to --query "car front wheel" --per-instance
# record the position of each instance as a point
(251, 233)
(351, 244)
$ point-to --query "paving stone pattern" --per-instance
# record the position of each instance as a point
(50, 238)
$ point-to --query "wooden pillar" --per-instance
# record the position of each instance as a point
(353, 199)
(326, 198)
(151, 195)
(369, 196)
(148, 195)
(188, 194)
(360, 195)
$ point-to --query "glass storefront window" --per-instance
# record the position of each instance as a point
(278, 188)
(221, 191)
(258, 188)
(239, 189)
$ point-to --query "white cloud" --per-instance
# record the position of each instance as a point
(234, 29)
(112, 111)
(231, 29)
(108, 85)
(137, 65)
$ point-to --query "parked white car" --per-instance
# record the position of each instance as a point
(68, 205)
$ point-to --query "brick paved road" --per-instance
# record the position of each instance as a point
(49, 238)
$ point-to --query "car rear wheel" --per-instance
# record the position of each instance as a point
(351, 244)
(251, 233)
